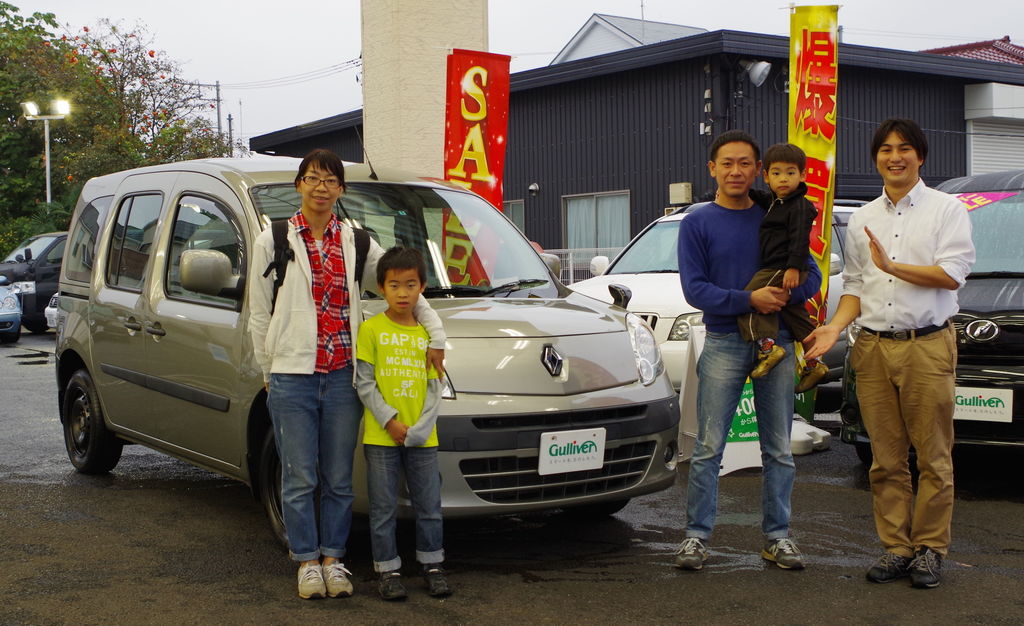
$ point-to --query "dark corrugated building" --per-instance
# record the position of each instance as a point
(602, 138)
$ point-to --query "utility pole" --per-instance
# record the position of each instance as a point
(231, 141)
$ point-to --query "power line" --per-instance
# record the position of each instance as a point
(296, 79)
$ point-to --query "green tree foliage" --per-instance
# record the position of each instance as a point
(130, 107)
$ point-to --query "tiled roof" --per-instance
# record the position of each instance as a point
(996, 50)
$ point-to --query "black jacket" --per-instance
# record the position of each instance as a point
(786, 228)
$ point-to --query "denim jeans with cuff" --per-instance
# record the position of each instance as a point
(385, 466)
(316, 420)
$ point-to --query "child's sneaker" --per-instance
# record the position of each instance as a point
(390, 586)
(437, 584)
(336, 580)
(810, 375)
(311, 581)
(767, 360)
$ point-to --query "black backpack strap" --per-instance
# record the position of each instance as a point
(362, 250)
(283, 254)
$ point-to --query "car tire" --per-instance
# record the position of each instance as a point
(35, 327)
(269, 478)
(598, 509)
(91, 447)
(864, 452)
(11, 337)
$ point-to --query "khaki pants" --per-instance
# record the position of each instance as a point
(754, 326)
(905, 390)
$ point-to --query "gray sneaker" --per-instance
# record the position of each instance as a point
(336, 580)
(311, 581)
(784, 553)
(691, 554)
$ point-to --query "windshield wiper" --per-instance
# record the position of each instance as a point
(453, 290)
(664, 271)
(516, 285)
(996, 275)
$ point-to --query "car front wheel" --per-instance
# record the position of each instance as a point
(91, 447)
(270, 486)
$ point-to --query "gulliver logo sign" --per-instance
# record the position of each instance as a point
(983, 405)
(571, 451)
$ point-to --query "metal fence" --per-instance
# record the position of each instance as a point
(576, 261)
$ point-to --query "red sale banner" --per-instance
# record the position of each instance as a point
(476, 121)
(476, 124)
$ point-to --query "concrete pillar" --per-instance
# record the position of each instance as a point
(405, 46)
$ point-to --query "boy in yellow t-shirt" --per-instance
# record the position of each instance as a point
(401, 396)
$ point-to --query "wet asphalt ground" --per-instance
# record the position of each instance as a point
(160, 542)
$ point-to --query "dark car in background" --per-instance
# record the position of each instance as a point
(990, 324)
(33, 269)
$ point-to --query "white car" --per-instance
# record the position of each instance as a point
(51, 311)
(648, 266)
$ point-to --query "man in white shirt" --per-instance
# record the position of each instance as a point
(907, 254)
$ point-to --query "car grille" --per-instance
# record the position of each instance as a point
(512, 479)
(561, 419)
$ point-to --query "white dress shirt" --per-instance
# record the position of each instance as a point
(926, 227)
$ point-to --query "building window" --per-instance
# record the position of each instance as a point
(596, 220)
(515, 210)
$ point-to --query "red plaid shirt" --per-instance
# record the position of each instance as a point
(330, 295)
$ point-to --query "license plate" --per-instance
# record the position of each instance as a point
(981, 404)
(571, 451)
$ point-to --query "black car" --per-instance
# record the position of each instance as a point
(33, 269)
(990, 324)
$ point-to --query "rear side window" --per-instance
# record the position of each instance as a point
(202, 223)
(83, 240)
(132, 243)
(56, 253)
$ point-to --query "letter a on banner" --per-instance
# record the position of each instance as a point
(476, 125)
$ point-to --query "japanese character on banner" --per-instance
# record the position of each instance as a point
(816, 84)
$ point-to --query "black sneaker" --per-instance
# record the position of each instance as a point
(390, 586)
(889, 568)
(926, 569)
(437, 584)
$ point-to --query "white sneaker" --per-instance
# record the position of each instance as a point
(311, 581)
(336, 577)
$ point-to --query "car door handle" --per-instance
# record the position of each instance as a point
(131, 324)
(156, 330)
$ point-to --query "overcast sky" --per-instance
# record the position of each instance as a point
(242, 42)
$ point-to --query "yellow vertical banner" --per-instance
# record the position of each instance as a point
(813, 80)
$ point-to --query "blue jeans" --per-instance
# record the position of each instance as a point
(384, 469)
(316, 421)
(722, 370)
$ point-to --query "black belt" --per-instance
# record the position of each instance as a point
(903, 335)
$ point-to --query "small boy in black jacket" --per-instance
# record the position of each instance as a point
(785, 240)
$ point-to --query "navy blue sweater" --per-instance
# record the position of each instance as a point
(719, 252)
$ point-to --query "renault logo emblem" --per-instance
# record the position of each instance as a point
(982, 331)
(551, 359)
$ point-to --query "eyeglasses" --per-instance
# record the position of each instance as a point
(314, 181)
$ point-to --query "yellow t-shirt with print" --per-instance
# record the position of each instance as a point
(398, 354)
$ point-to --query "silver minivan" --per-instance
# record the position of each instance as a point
(153, 346)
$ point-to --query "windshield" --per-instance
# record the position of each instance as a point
(36, 244)
(997, 221)
(470, 248)
(652, 252)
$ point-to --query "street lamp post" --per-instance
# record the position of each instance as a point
(60, 109)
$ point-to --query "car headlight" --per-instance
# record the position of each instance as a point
(25, 286)
(10, 303)
(681, 327)
(645, 349)
(852, 332)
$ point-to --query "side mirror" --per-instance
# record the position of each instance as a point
(28, 255)
(835, 264)
(207, 272)
(621, 295)
(3, 280)
(553, 262)
(598, 265)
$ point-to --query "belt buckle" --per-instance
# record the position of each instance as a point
(901, 335)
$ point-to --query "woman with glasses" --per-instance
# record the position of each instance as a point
(304, 341)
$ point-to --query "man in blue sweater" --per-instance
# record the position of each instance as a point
(718, 254)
